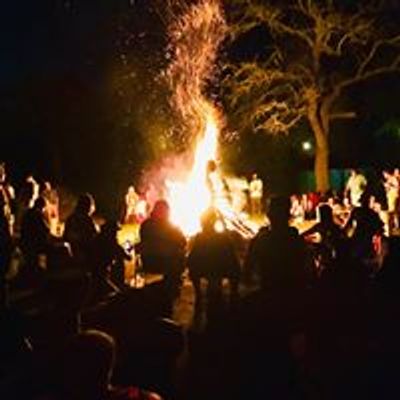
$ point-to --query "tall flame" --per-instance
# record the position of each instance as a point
(191, 198)
(195, 38)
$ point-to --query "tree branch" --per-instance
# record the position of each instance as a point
(393, 67)
(373, 51)
(294, 78)
(342, 115)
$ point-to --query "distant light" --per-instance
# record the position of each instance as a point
(307, 146)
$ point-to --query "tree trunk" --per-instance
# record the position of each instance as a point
(321, 167)
(320, 126)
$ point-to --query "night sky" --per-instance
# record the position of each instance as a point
(59, 107)
(66, 112)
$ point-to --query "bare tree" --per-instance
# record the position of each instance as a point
(317, 50)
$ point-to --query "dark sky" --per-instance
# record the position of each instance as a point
(54, 37)
(56, 61)
(36, 39)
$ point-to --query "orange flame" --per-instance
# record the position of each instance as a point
(191, 198)
(195, 38)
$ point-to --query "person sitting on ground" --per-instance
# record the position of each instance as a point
(86, 368)
(213, 257)
(80, 230)
(162, 248)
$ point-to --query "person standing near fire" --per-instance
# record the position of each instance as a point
(49, 193)
(131, 201)
(256, 194)
(8, 193)
(162, 250)
(391, 185)
(355, 187)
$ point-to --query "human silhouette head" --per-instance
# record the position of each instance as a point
(110, 228)
(325, 214)
(87, 364)
(131, 190)
(86, 204)
(279, 211)
(208, 219)
(45, 187)
(40, 203)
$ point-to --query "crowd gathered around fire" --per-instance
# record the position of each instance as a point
(304, 309)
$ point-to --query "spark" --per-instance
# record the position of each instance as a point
(195, 38)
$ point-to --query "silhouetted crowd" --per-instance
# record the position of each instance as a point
(291, 314)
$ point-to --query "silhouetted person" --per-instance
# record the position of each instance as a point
(26, 197)
(6, 247)
(80, 230)
(330, 232)
(15, 355)
(213, 257)
(331, 237)
(35, 236)
(108, 259)
(162, 248)
(85, 370)
(389, 275)
(279, 254)
(366, 224)
(49, 193)
(7, 191)
(272, 326)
